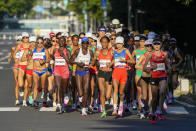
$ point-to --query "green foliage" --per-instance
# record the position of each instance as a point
(185, 2)
(93, 7)
(18, 7)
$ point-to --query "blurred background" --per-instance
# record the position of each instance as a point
(39, 17)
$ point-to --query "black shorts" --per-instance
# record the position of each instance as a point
(146, 79)
(155, 81)
(107, 75)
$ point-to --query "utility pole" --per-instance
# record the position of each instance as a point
(104, 7)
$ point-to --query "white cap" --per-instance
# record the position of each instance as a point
(88, 34)
(19, 38)
(94, 37)
(115, 21)
(25, 34)
(32, 39)
(65, 34)
(108, 34)
(120, 39)
(46, 37)
(148, 42)
(136, 38)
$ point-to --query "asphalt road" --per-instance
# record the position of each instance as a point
(179, 118)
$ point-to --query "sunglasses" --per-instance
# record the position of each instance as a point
(157, 44)
(54, 41)
(26, 37)
(113, 39)
(148, 45)
(40, 42)
(94, 41)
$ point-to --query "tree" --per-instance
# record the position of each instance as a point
(92, 7)
(15, 7)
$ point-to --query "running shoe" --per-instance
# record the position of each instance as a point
(134, 105)
(95, 108)
(30, 99)
(169, 101)
(24, 103)
(80, 99)
(104, 114)
(84, 113)
(66, 100)
(142, 116)
(165, 106)
(114, 113)
(35, 104)
(17, 102)
(54, 104)
(45, 104)
(58, 109)
(73, 107)
(142, 104)
(42, 96)
(21, 92)
(120, 111)
(152, 119)
(159, 116)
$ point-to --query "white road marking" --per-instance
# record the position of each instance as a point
(179, 110)
(185, 104)
(5, 57)
(9, 108)
(48, 109)
(1, 67)
(1, 53)
(5, 50)
(4, 63)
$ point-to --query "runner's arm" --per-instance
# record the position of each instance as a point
(141, 59)
(131, 60)
(179, 57)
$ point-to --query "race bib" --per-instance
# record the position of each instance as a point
(118, 62)
(103, 63)
(38, 55)
(160, 67)
(148, 65)
(17, 55)
(60, 62)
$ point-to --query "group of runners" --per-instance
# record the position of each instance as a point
(90, 70)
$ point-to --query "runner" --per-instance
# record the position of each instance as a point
(130, 95)
(145, 78)
(137, 53)
(40, 57)
(104, 57)
(82, 57)
(27, 56)
(120, 73)
(175, 60)
(22, 65)
(112, 42)
(101, 32)
(15, 67)
(159, 61)
(61, 73)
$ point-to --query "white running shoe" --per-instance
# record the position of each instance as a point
(17, 102)
(84, 113)
(142, 116)
(120, 111)
(165, 106)
(24, 103)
